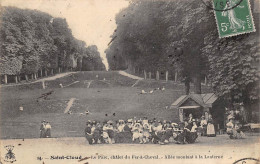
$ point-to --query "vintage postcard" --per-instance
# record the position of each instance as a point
(129, 81)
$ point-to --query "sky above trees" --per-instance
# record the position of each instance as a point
(92, 21)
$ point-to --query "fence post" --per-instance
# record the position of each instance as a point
(5, 79)
(176, 76)
(19, 78)
(206, 80)
(166, 75)
(145, 76)
(157, 75)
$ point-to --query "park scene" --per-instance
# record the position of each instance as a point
(148, 79)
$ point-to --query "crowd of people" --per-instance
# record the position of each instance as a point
(148, 131)
(45, 129)
(153, 131)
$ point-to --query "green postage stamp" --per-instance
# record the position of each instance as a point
(233, 17)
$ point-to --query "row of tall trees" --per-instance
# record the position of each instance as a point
(36, 44)
(181, 35)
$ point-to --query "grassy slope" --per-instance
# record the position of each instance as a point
(114, 95)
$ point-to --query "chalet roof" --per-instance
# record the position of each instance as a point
(204, 100)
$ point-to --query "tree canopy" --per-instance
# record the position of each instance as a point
(33, 40)
(181, 35)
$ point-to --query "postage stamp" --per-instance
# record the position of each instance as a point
(233, 17)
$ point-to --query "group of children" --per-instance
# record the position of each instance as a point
(141, 131)
(45, 129)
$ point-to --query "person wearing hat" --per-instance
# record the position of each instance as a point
(168, 132)
(43, 129)
(137, 132)
(190, 118)
(191, 136)
(48, 130)
(230, 125)
(105, 133)
(93, 126)
(97, 133)
(194, 127)
(127, 132)
(146, 133)
(128, 126)
(159, 132)
(180, 138)
(121, 125)
(203, 125)
(233, 129)
(88, 133)
(119, 132)
(210, 127)
(110, 131)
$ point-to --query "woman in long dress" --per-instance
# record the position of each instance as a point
(210, 128)
(43, 130)
(48, 130)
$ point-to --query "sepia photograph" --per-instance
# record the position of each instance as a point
(129, 81)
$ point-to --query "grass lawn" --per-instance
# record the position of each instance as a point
(99, 96)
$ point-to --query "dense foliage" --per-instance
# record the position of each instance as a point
(181, 35)
(32, 40)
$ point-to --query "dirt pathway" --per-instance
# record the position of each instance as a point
(57, 76)
(129, 75)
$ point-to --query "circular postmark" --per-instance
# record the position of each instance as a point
(247, 161)
(221, 5)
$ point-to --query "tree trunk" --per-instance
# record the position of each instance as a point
(26, 78)
(206, 80)
(59, 69)
(43, 85)
(176, 76)
(197, 83)
(35, 77)
(41, 72)
(150, 75)
(248, 109)
(6, 81)
(145, 76)
(16, 79)
(19, 78)
(46, 73)
(157, 75)
(32, 76)
(187, 87)
(51, 71)
(166, 75)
